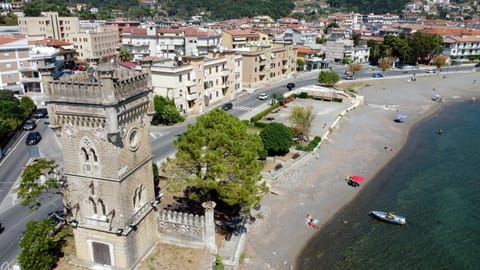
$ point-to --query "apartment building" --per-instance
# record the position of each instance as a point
(264, 64)
(337, 50)
(461, 48)
(301, 35)
(238, 38)
(14, 53)
(31, 78)
(94, 46)
(49, 25)
(152, 40)
(197, 82)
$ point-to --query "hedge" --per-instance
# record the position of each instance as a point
(260, 115)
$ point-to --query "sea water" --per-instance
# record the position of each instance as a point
(435, 183)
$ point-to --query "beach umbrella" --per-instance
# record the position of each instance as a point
(358, 178)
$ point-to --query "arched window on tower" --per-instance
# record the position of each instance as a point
(85, 160)
(94, 160)
(89, 157)
(93, 206)
(138, 196)
(101, 207)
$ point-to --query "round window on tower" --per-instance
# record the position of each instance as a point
(133, 139)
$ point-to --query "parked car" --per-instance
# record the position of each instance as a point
(263, 96)
(227, 106)
(40, 113)
(29, 125)
(46, 120)
(349, 77)
(477, 65)
(377, 75)
(33, 138)
(430, 70)
(290, 86)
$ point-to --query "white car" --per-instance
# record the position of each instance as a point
(430, 71)
(263, 96)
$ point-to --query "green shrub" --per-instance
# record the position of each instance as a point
(218, 263)
(260, 124)
(303, 95)
(276, 138)
(311, 146)
(260, 115)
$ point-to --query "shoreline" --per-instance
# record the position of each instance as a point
(355, 146)
(353, 214)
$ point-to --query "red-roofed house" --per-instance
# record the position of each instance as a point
(460, 48)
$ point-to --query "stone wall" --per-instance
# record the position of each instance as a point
(181, 229)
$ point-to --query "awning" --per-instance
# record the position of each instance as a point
(273, 56)
(262, 57)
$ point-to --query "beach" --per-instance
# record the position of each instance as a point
(355, 146)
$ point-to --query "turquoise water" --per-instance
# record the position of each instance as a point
(435, 183)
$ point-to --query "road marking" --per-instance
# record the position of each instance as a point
(243, 108)
(156, 135)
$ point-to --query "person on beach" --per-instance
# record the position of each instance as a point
(311, 222)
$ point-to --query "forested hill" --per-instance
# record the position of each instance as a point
(230, 9)
(369, 6)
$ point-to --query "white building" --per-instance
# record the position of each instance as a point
(460, 48)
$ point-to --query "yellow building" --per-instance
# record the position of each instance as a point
(94, 46)
(264, 64)
(49, 25)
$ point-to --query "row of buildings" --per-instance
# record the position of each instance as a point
(200, 65)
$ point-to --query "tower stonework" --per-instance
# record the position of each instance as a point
(101, 118)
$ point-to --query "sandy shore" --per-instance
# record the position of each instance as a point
(316, 185)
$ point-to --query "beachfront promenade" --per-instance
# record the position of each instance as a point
(355, 145)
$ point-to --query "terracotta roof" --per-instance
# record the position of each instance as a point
(444, 31)
(50, 42)
(194, 32)
(135, 31)
(304, 50)
(465, 38)
(168, 31)
(241, 33)
(9, 39)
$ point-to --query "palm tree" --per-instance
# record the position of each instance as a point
(125, 55)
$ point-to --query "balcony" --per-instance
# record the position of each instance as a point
(30, 80)
(190, 83)
(28, 68)
(225, 72)
(191, 96)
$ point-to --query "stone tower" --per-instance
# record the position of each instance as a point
(102, 120)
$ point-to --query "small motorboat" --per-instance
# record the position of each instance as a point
(388, 217)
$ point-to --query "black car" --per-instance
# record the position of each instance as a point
(29, 125)
(290, 86)
(227, 106)
(40, 113)
(477, 65)
(33, 138)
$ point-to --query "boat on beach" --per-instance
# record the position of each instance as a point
(388, 217)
